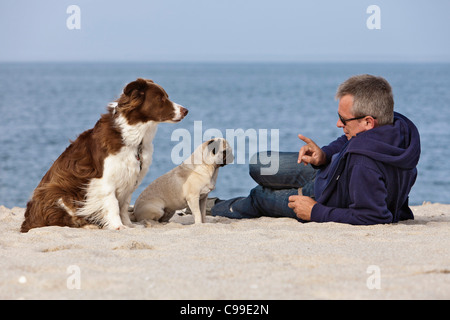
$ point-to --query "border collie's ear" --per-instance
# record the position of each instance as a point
(140, 84)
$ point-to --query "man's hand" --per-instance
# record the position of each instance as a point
(302, 206)
(311, 153)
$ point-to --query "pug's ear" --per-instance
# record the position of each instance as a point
(212, 146)
(140, 85)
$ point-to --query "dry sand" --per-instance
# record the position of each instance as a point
(263, 258)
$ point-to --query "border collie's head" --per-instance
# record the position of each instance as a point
(143, 100)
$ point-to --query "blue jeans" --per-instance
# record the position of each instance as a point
(271, 197)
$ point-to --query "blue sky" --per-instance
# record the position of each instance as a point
(225, 30)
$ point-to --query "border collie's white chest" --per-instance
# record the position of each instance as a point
(126, 169)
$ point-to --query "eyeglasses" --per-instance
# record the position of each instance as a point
(344, 121)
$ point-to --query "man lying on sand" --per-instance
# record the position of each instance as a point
(362, 178)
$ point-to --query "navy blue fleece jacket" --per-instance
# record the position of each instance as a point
(368, 178)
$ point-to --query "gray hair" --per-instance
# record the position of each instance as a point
(372, 96)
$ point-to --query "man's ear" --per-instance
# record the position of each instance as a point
(371, 122)
(140, 85)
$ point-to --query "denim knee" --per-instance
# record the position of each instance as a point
(289, 173)
(255, 168)
(264, 166)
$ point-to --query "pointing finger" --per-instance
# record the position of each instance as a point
(305, 139)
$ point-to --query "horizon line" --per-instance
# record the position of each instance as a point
(256, 61)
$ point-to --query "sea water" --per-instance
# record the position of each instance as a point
(44, 105)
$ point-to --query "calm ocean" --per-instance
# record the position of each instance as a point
(43, 105)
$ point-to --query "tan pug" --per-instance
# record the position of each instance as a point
(186, 185)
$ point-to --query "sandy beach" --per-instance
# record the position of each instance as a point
(263, 258)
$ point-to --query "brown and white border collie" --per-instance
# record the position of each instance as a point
(93, 179)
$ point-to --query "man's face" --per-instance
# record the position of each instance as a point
(353, 127)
